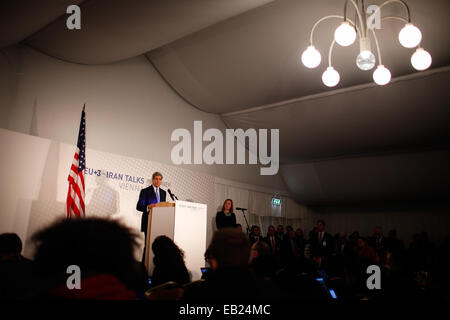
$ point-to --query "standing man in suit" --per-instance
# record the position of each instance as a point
(291, 253)
(280, 232)
(273, 241)
(378, 242)
(321, 244)
(148, 198)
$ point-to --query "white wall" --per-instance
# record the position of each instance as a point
(130, 110)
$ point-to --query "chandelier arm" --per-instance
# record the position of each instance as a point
(361, 23)
(378, 47)
(395, 18)
(328, 17)
(363, 11)
(330, 51)
(401, 2)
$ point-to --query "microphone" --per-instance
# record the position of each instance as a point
(243, 209)
(172, 195)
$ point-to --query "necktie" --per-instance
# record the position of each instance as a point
(157, 195)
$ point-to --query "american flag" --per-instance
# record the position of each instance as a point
(75, 195)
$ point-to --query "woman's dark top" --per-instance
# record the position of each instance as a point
(175, 271)
(225, 221)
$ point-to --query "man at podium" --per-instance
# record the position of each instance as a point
(148, 197)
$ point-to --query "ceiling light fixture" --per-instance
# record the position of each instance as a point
(347, 32)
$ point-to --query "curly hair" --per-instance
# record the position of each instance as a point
(166, 251)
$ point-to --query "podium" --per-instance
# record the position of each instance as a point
(185, 223)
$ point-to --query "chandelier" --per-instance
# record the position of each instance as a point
(364, 26)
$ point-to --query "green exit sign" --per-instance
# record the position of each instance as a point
(276, 201)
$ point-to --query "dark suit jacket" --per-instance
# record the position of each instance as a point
(379, 246)
(322, 248)
(253, 239)
(146, 197)
(277, 243)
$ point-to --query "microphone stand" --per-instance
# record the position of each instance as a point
(248, 228)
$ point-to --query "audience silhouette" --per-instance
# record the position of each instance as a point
(284, 266)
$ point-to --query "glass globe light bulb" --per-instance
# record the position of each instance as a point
(345, 34)
(330, 77)
(365, 60)
(421, 59)
(311, 57)
(381, 75)
(410, 36)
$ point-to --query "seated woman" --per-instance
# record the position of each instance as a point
(169, 262)
(226, 217)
